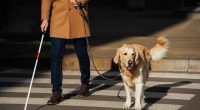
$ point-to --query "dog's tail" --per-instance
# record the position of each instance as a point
(160, 49)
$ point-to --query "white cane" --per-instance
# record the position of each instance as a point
(33, 75)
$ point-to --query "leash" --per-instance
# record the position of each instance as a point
(80, 11)
(90, 53)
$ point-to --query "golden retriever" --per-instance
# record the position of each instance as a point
(134, 64)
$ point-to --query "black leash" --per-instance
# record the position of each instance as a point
(81, 12)
(41, 107)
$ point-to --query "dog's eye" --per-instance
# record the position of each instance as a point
(125, 53)
(133, 54)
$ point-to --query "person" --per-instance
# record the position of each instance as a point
(66, 23)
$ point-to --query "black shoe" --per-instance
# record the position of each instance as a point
(56, 98)
(84, 90)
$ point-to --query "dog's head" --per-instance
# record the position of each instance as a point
(128, 56)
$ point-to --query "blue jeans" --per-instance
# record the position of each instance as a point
(57, 51)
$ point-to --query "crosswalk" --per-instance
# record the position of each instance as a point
(163, 91)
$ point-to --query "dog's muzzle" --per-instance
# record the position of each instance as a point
(130, 65)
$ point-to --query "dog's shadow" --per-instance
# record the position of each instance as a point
(105, 83)
(164, 89)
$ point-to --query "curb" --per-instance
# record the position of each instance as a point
(168, 65)
(106, 64)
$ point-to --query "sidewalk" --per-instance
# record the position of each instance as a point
(117, 26)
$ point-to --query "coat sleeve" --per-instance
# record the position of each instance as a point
(45, 9)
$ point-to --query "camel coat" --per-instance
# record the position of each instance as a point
(65, 21)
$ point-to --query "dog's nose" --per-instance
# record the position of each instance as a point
(130, 62)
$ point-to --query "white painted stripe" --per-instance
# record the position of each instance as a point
(111, 73)
(173, 85)
(163, 107)
(179, 96)
(175, 75)
(83, 103)
(152, 74)
(106, 82)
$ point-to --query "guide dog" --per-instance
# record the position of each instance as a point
(134, 64)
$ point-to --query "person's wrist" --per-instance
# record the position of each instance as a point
(45, 20)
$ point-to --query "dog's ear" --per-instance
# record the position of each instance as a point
(146, 55)
(136, 55)
(117, 56)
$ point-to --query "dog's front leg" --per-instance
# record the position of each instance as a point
(139, 95)
(127, 104)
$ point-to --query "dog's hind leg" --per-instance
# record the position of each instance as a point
(127, 104)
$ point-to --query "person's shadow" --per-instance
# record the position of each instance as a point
(163, 88)
(98, 83)
(95, 85)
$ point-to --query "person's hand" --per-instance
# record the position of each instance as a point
(75, 2)
(44, 25)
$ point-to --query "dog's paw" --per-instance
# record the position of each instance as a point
(138, 107)
(126, 106)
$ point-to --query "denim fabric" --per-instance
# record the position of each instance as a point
(57, 53)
